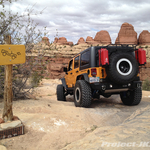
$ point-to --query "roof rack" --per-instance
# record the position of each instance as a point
(123, 45)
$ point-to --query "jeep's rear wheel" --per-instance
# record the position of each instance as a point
(61, 93)
(82, 94)
(131, 98)
(123, 68)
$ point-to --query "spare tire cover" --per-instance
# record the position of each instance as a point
(123, 68)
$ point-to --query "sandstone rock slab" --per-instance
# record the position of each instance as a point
(2, 147)
(12, 124)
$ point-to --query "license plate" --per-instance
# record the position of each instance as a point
(94, 79)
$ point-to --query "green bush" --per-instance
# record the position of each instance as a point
(146, 85)
(36, 78)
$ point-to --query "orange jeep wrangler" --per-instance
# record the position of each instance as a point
(103, 70)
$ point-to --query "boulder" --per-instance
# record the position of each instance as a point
(81, 41)
(70, 43)
(1, 120)
(62, 41)
(90, 40)
(144, 38)
(2, 147)
(126, 35)
(45, 40)
(12, 124)
(102, 37)
(55, 40)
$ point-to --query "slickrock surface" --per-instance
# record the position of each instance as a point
(54, 125)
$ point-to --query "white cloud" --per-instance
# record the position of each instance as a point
(82, 18)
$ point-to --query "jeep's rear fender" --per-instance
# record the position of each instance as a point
(99, 72)
(83, 76)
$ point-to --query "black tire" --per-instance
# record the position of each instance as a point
(82, 94)
(123, 68)
(61, 93)
(131, 98)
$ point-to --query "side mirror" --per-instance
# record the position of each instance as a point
(65, 69)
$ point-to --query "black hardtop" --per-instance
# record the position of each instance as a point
(118, 48)
(112, 48)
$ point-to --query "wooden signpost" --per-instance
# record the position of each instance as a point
(9, 55)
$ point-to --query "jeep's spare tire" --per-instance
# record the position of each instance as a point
(123, 68)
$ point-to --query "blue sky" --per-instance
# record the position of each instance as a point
(82, 18)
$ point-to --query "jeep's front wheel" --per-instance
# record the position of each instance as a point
(131, 98)
(82, 94)
(60, 93)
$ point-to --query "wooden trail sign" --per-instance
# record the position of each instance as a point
(12, 54)
(9, 55)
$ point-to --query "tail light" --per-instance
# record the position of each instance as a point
(93, 72)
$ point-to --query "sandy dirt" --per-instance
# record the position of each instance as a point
(53, 125)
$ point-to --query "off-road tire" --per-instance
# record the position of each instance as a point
(61, 93)
(123, 68)
(131, 98)
(82, 94)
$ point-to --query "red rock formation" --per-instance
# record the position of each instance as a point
(144, 38)
(55, 68)
(90, 40)
(62, 41)
(102, 37)
(126, 35)
(70, 43)
(45, 40)
(55, 40)
(81, 41)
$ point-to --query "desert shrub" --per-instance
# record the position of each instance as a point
(146, 85)
(35, 79)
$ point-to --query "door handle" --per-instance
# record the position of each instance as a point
(71, 73)
(77, 71)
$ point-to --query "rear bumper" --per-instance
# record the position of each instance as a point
(115, 88)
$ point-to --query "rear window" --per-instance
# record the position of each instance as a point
(85, 59)
(76, 62)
